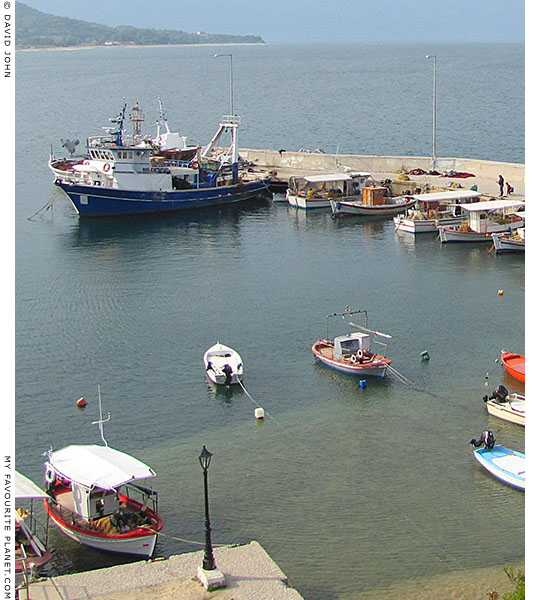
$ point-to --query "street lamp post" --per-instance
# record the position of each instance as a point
(434, 146)
(231, 81)
(208, 560)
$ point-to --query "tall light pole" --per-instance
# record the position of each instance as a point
(209, 563)
(434, 147)
(231, 82)
(209, 575)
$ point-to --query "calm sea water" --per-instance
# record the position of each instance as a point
(350, 490)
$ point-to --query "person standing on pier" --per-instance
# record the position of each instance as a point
(501, 186)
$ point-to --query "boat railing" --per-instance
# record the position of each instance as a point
(36, 527)
(68, 516)
(382, 344)
(230, 119)
(85, 179)
(143, 496)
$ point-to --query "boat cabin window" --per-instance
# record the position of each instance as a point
(102, 503)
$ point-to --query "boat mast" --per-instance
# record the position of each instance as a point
(101, 419)
(119, 120)
(348, 312)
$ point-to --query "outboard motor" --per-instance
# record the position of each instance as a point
(499, 394)
(228, 372)
(487, 439)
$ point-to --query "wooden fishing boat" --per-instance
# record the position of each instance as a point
(503, 463)
(509, 242)
(509, 407)
(370, 205)
(315, 191)
(95, 497)
(31, 549)
(352, 353)
(484, 219)
(223, 365)
(434, 209)
(514, 364)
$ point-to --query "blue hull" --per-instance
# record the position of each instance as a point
(91, 201)
(504, 464)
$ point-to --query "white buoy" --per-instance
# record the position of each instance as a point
(259, 413)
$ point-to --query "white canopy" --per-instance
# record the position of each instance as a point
(334, 177)
(98, 466)
(491, 205)
(447, 196)
(26, 489)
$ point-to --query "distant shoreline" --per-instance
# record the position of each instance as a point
(91, 47)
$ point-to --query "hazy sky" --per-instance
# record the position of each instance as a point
(308, 20)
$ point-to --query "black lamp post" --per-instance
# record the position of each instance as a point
(208, 560)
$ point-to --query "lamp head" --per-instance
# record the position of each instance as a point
(204, 458)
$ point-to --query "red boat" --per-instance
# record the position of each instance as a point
(514, 364)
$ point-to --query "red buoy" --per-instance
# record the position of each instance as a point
(81, 402)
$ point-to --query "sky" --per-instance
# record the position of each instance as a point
(312, 20)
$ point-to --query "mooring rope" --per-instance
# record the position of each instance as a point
(408, 382)
(179, 539)
(254, 401)
(46, 206)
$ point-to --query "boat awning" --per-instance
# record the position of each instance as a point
(334, 177)
(447, 196)
(26, 489)
(491, 205)
(98, 466)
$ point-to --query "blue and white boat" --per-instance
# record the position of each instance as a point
(503, 463)
(123, 173)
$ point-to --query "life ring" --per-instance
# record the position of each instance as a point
(195, 165)
(50, 476)
(360, 355)
(106, 167)
(353, 358)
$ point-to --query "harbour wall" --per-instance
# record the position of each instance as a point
(379, 166)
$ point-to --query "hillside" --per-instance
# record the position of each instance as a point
(35, 29)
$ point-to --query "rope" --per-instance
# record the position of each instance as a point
(254, 401)
(179, 539)
(46, 206)
(408, 382)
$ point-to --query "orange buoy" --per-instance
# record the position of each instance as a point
(501, 292)
(81, 402)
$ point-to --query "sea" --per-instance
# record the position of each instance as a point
(356, 492)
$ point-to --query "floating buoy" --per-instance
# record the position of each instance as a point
(81, 402)
(362, 383)
(500, 292)
(425, 355)
(259, 413)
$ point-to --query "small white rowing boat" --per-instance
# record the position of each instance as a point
(509, 407)
(223, 365)
(503, 463)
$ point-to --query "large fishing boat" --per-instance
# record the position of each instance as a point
(124, 173)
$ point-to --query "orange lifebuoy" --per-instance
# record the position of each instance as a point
(195, 165)
(107, 167)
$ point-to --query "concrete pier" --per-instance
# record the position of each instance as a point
(486, 173)
(250, 574)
